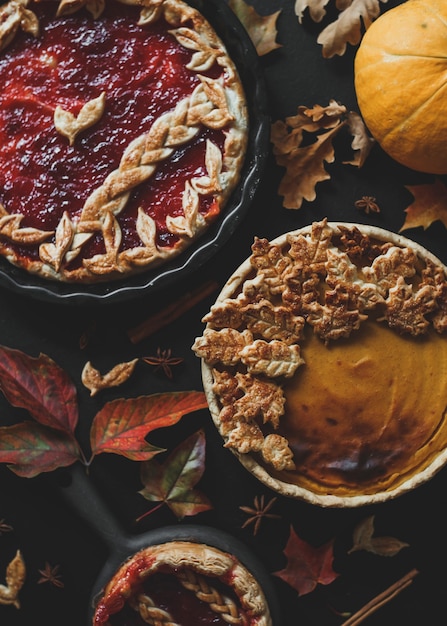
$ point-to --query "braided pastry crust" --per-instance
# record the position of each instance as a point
(217, 579)
(114, 230)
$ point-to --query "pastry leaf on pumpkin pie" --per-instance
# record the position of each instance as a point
(271, 358)
(406, 309)
(222, 345)
(269, 261)
(261, 398)
(337, 317)
(272, 322)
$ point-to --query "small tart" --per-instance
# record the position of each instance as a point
(324, 361)
(123, 131)
(182, 582)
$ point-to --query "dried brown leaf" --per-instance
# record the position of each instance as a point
(363, 539)
(261, 29)
(429, 205)
(347, 28)
(305, 168)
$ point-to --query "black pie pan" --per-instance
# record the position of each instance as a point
(244, 55)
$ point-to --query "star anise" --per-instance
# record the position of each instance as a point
(163, 360)
(258, 512)
(367, 204)
(50, 574)
(4, 527)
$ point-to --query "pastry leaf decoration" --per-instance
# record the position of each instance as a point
(70, 125)
(307, 566)
(172, 482)
(48, 440)
(15, 578)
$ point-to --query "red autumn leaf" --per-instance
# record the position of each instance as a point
(173, 481)
(31, 448)
(307, 566)
(122, 425)
(41, 387)
(430, 205)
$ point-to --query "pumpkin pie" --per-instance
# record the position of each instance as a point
(123, 130)
(324, 362)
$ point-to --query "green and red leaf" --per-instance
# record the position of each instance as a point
(173, 481)
(307, 566)
(41, 387)
(122, 425)
(31, 448)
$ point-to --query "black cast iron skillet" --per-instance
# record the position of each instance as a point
(79, 492)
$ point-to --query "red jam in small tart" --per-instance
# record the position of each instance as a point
(122, 134)
(184, 583)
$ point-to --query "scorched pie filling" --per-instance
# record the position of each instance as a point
(123, 130)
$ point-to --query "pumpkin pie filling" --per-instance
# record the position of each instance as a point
(121, 137)
(366, 411)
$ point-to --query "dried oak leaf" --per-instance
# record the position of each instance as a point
(15, 577)
(430, 205)
(172, 482)
(305, 160)
(95, 381)
(363, 539)
(307, 566)
(41, 387)
(261, 29)
(121, 425)
(347, 28)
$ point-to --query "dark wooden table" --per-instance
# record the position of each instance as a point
(38, 522)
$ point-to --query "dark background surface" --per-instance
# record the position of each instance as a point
(46, 529)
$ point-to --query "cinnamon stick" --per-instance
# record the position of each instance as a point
(380, 600)
(170, 313)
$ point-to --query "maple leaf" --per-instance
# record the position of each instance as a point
(430, 205)
(307, 566)
(41, 387)
(31, 448)
(173, 481)
(363, 539)
(261, 29)
(122, 425)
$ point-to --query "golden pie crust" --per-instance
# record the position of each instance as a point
(216, 103)
(216, 578)
(324, 361)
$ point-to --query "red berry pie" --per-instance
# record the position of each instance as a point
(123, 130)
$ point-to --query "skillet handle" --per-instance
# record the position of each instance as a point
(81, 495)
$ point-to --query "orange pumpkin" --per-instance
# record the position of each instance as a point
(400, 75)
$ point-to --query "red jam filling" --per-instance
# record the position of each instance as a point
(169, 595)
(74, 59)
